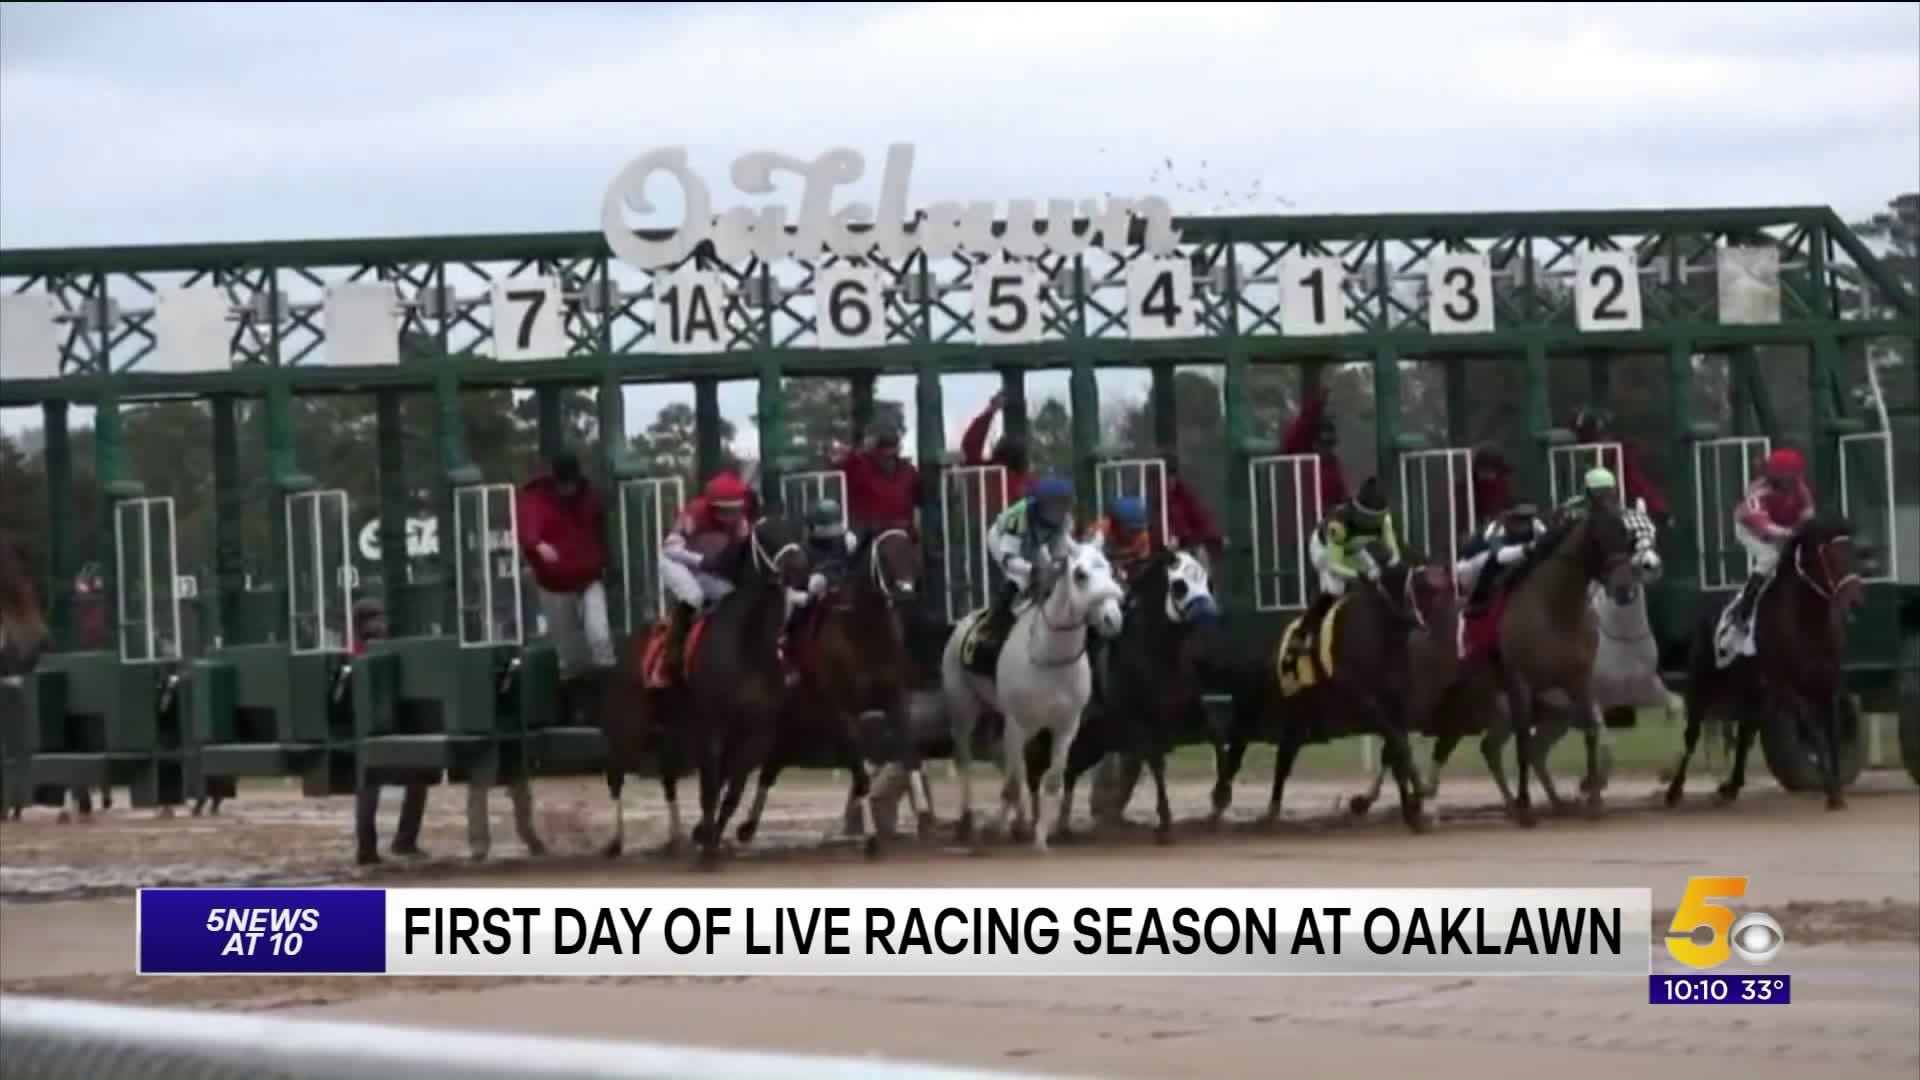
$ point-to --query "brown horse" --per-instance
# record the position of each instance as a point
(721, 713)
(853, 661)
(1799, 628)
(1544, 646)
(1367, 690)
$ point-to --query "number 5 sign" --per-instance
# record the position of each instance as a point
(852, 307)
(528, 319)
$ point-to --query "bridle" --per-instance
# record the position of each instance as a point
(1046, 619)
(889, 588)
(770, 564)
(1825, 587)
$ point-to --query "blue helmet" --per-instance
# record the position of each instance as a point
(1128, 510)
(1051, 497)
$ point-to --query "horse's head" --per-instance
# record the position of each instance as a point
(1407, 588)
(1605, 546)
(889, 562)
(1092, 594)
(23, 628)
(776, 555)
(1176, 585)
(1822, 554)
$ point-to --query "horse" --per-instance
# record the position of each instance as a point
(1533, 650)
(855, 662)
(1355, 682)
(1152, 679)
(1041, 681)
(1799, 637)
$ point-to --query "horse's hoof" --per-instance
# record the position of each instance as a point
(1359, 805)
(746, 830)
(1523, 816)
(366, 857)
(537, 849)
(63, 818)
(611, 849)
(198, 810)
(1836, 802)
(1163, 834)
(165, 814)
(963, 829)
(216, 810)
(710, 859)
(1726, 794)
(478, 857)
(409, 851)
(700, 833)
(1672, 797)
(872, 847)
(1594, 807)
(1419, 824)
(926, 823)
(1270, 821)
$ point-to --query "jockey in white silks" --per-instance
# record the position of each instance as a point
(1035, 533)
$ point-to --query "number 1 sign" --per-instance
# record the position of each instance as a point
(1313, 297)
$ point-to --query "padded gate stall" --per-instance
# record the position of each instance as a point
(1436, 505)
(1286, 511)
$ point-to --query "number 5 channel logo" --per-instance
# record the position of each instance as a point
(1755, 936)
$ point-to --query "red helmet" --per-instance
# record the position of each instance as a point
(1785, 461)
(726, 492)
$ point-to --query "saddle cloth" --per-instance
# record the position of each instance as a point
(1732, 640)
(1305, 657)
(1480, 633)
(980, 649)
(653, 664)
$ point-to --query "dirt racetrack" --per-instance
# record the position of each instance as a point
(1844, 886)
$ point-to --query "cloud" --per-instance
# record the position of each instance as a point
(143, 124)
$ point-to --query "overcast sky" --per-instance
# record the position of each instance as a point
(123, 124)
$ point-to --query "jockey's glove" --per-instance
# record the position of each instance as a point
(817, 585)
(1512, 554)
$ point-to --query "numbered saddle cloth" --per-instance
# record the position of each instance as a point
(1480, 632)
(980, 649)
(1305, 657)
(1733, 638)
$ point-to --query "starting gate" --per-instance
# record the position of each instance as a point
(146, 545)
(971, 497)
(801, 491)
(1721, 469)
(486, 565)
(1436, 500)
(319, 573)
(1286, 510)
(648, 507)
(1144, 478)
(1866, 498)
(1567, 468)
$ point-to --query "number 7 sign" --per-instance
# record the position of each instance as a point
(528, 319)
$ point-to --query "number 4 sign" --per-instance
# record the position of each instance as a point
(1160, 300)
(528, 319)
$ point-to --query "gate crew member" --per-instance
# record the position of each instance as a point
(1593, 425)
(883, 489)
(1343, 546)
(1191, 527)
(1313, 432)
(1492, 487)
(708, 529)
(1777, 503)
(1030, 535)
(1498, 547)
(1010, 452)
(1122, 535)
(562, 536)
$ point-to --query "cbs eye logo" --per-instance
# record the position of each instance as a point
(1704, 933)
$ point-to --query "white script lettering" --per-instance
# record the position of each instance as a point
(858, 229)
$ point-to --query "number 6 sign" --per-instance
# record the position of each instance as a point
(851, 303)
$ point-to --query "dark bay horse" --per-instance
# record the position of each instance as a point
(1799, 628)
(1152, 681)
(1368, 690)
(720, 714)
(1536, 665)
(853, 661)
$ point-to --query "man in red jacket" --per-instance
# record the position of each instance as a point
(1190, 525)
(1312, 432)
(1595, 426)
(883, 489)
(562, 536)
(1009, 453)
(1492, 488)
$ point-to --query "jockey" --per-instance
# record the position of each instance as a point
(562, 526)
(1776, 504)
(694, 549)
(1122, 534)
(1029, 535)
(1503, 543)
(1342, 546)
(829, 546)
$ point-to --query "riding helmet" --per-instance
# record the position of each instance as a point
(1370, 500)
(1786, 461)
(825, 518)
(726, 492)
(1600, 478)
(1129, 511)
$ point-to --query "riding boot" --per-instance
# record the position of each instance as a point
(1000, 615)
(1743, 605)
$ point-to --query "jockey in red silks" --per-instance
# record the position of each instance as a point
(707, 528)
(1777, 503)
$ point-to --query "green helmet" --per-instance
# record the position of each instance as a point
(825, 518)
(1600, 479)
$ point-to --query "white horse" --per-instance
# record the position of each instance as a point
(1042, 682)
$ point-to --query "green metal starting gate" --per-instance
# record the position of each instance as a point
(468, 686)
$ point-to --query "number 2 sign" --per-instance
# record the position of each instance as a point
(1606, 291)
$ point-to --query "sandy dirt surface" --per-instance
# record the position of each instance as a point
(1845, 887)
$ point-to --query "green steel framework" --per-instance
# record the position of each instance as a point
(1835, 296)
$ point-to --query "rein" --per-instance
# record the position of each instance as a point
(1043, 618)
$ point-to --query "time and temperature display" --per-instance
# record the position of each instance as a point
(1705, 988)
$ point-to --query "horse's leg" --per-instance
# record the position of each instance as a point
(1583, 708)
(1696, 712)
(1227, 758)
(1829, 727)
(1013, 763)
(1443, 747)
(746, 754)
(1052, 784)
(1398, 754)
(962, 716)
(616, 787)
(1520, 702)
(1285, 750)
(1363, 802)
(1157, 764)
(413, 812)
(1551, 726)
(1749, 727)
(708, 759)
(769, 775)
(1493, 744)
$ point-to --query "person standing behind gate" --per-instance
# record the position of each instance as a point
(883, 489)
(562, 536)
(1594, 426)
(1191, 527)
(1313, 432)
(1492, 487)
(1010, 453)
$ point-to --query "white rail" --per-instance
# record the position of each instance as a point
(62, 1039)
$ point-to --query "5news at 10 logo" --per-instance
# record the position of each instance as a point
(1704, 934)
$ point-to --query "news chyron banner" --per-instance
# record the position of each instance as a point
(815, 932)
